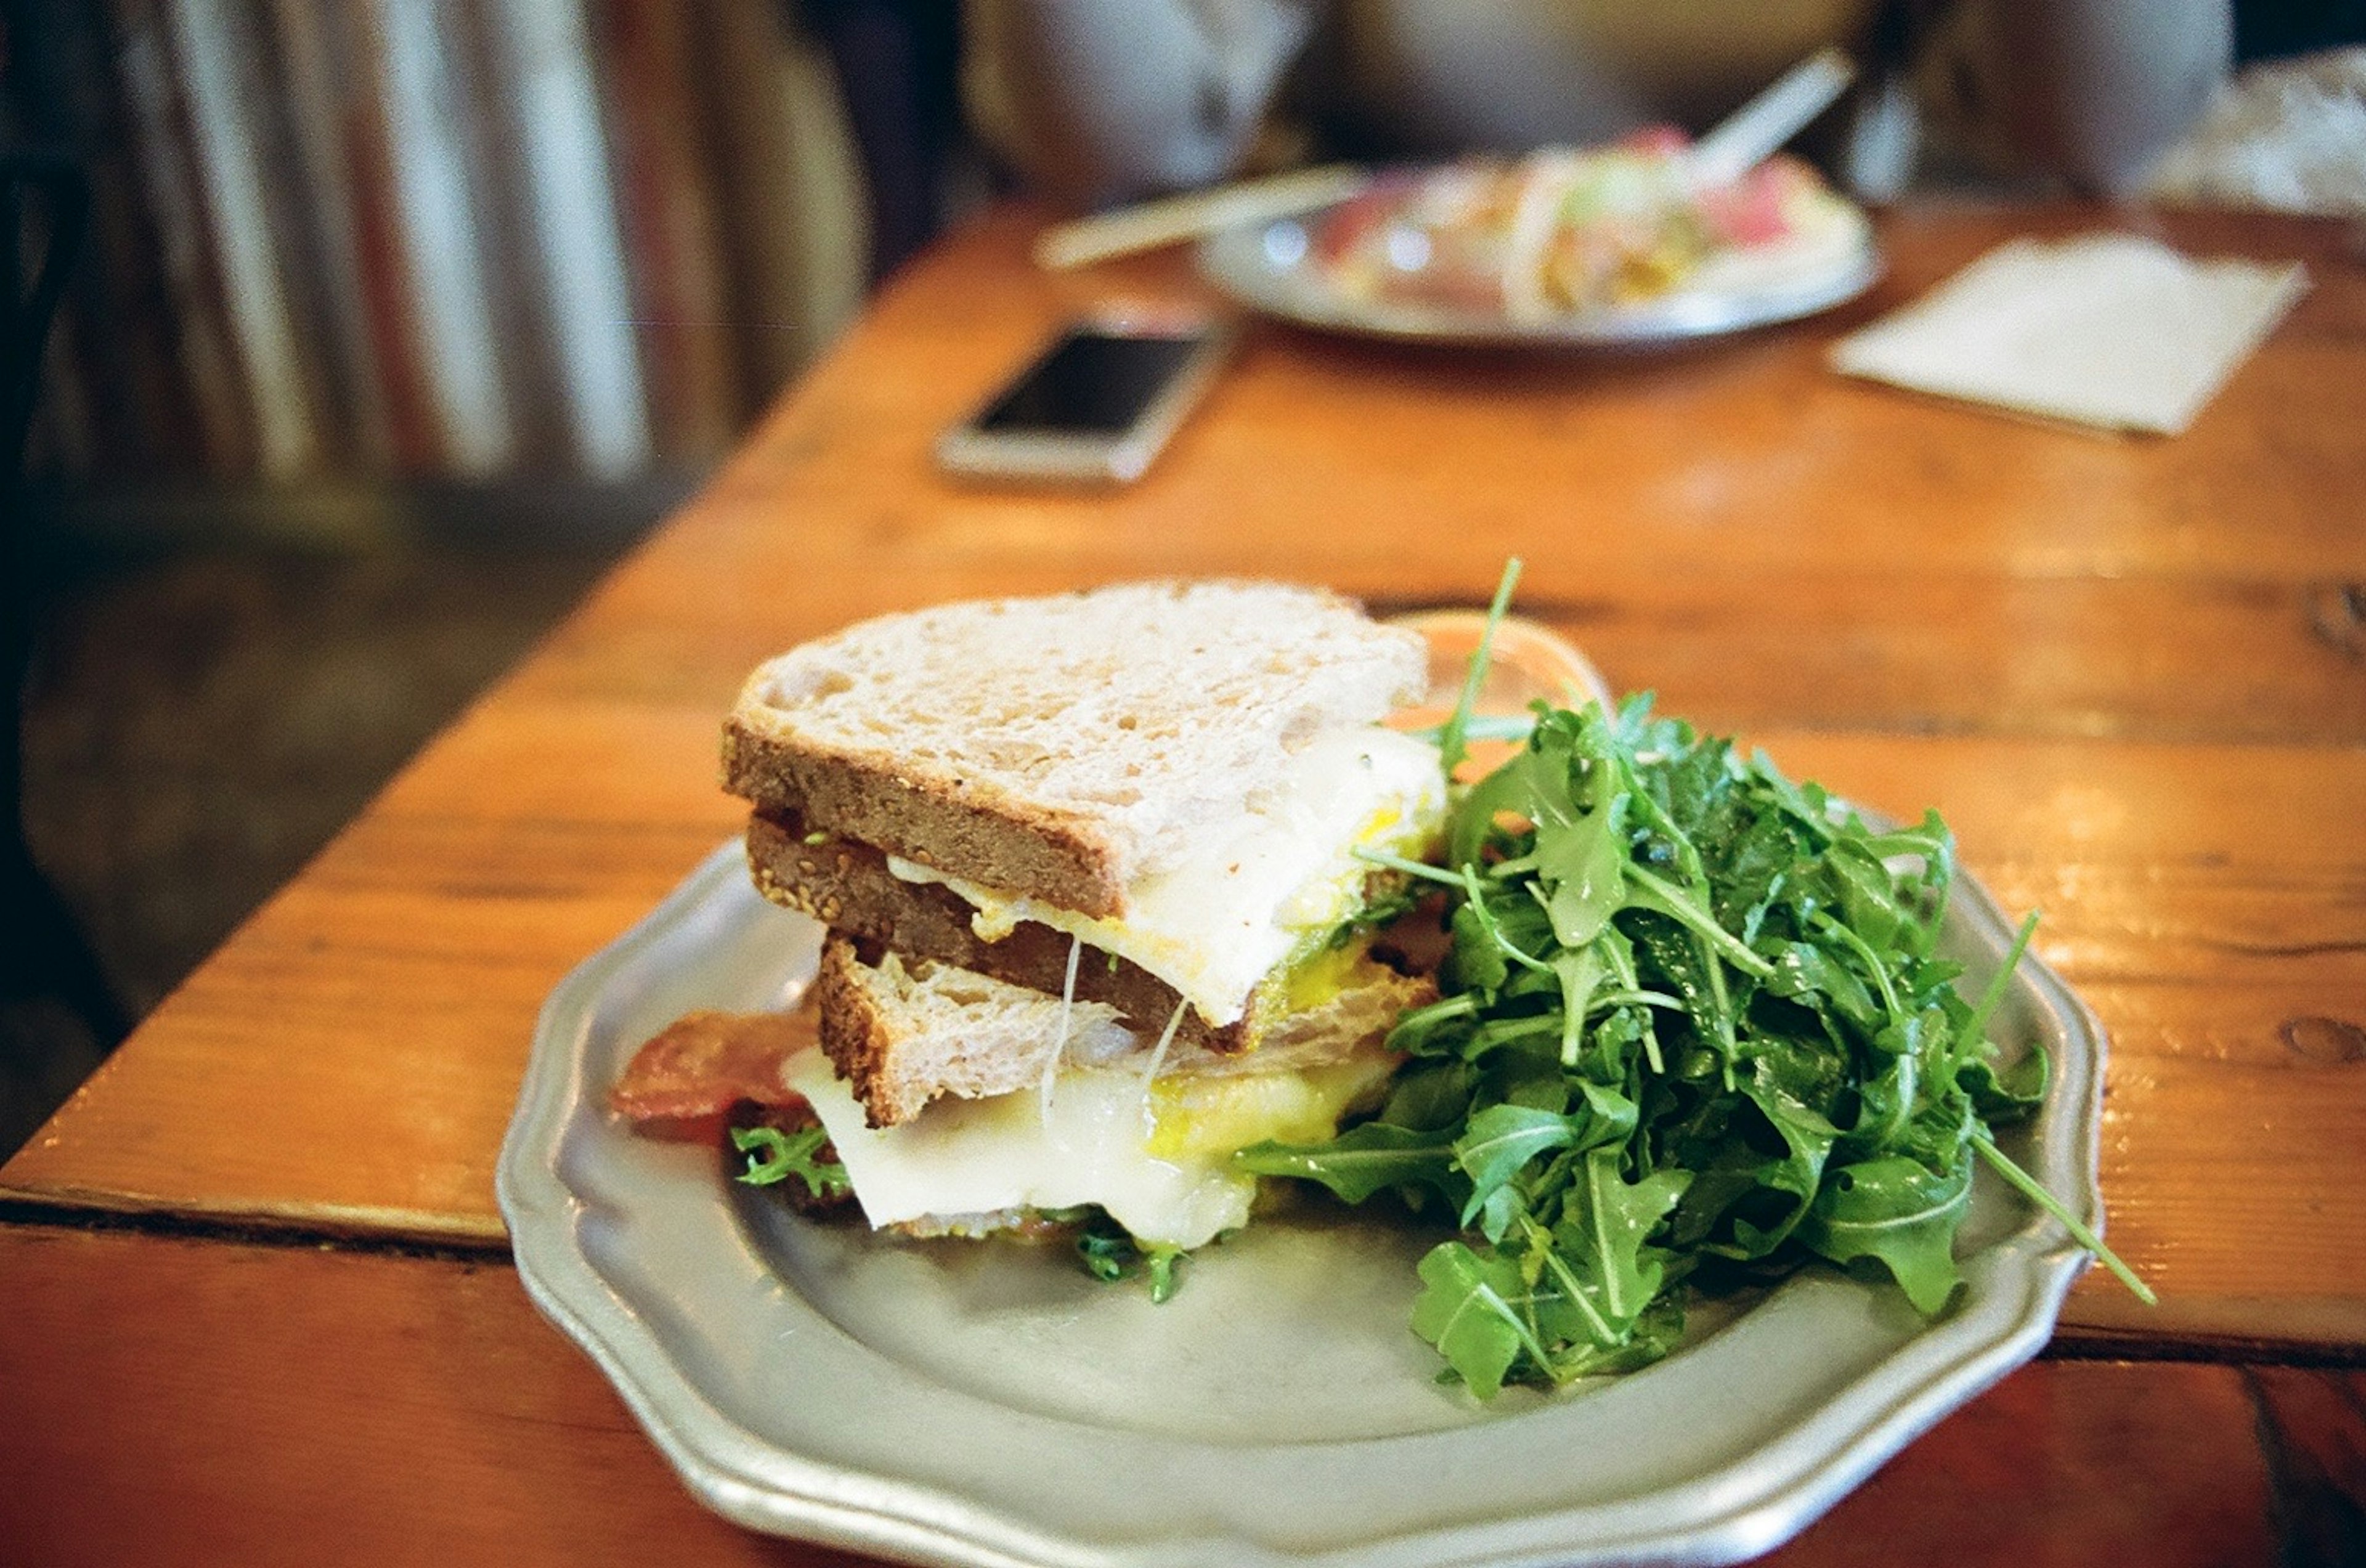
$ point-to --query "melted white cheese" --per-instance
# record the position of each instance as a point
(1157, 1156)
(1216, 924)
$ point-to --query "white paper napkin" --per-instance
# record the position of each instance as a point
(2106, 330)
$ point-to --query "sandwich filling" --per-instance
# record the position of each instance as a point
(1155, 1154)
(1260, 890)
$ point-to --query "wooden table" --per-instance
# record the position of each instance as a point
(258, 1302)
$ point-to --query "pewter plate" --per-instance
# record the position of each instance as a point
(988, 1404)
(1268, 267)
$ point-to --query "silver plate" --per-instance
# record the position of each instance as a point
(1266, 267)
(992, 1406)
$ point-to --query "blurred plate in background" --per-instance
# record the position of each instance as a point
(1276, 268)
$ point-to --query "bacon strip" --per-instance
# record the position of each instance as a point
(702, 1064)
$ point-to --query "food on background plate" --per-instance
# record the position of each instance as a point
(1123, 897)
(1564, 232)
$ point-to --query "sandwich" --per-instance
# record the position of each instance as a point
(1105, 884)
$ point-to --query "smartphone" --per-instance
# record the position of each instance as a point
(1094, 405)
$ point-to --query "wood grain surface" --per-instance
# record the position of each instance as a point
(168, 1400)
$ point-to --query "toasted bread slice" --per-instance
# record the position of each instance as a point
(901, 1035)
(1061, 747)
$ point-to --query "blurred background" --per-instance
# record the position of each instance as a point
(376, 329)
(350, 341)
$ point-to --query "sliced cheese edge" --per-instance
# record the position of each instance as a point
(1155, 1154)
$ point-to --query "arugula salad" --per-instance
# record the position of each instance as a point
(1695, 1031)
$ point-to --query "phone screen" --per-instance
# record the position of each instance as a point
(1091, 382)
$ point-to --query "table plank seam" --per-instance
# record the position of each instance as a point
(29, 1213)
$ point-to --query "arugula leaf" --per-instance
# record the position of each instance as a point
(1899, 1213)
(1580, 975)
(1756, 1174)
(2030, 1187)
(1811, 975)
(1500, 1142)
(1363, 1160)
(1466, 1308)
(1606, 1232)
(774, 1156)
(2009, 1096)
(1111, 1253)
(1386, 909)
(1582, 849)
(1106, 1250)
(1974, 1032)
(1450, 747)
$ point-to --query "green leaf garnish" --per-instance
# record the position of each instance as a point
(1373, 1157)
(774, 1156)
(1451, 736)
(1111, 1253)
(1896, 1211)
(2034, 1190)
(1467, 1310)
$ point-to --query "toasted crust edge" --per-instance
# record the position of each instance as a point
(857, 1043)
(1002, 844)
